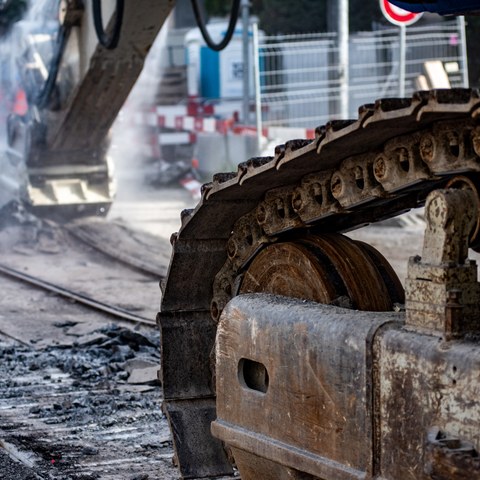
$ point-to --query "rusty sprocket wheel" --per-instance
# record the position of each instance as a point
(329, 269)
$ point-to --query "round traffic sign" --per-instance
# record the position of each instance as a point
(397, 15)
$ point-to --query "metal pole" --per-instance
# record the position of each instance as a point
(463, 49)
(246, 71)
(403, 50)
(343, 33)
(258, 100)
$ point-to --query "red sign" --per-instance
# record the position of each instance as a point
(397, 15)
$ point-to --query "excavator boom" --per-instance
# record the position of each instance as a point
(64, 136)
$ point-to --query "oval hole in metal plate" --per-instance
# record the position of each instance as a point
(253, 375)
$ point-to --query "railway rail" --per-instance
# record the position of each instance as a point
(52, 258)
(112, 310)
(69, 408)
(142, 252)
(79, 396)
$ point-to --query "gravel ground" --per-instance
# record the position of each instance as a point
(86, 408)
(80, 397)
(12, 469)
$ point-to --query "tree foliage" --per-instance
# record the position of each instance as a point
(282, 16)
(302, 16)
(217, 7)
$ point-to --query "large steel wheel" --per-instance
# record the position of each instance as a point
(279, 363)
(329, 269)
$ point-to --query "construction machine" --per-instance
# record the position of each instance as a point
(76, 71)
(296, 347)
(290, 351)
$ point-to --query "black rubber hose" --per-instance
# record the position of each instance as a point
(109, 42)
(44, 96)
(230, 30)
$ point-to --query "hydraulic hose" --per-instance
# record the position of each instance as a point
(44, 96)
(230, 30)
(108, 41)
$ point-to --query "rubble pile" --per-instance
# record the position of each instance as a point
(74, 408)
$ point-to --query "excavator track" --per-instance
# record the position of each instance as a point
(353, 173)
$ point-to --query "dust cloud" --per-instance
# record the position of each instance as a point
(139, 202)
(132, 143)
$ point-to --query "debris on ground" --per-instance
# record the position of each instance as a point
(73, 412)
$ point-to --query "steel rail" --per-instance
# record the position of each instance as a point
(78, 297)
(111, 252)
(20, 341)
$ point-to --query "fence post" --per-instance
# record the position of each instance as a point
(245, 50)
(463, 49)
(343, 38)
(258, 99)
(403, 60)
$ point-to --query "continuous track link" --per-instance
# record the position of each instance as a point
(353, 173)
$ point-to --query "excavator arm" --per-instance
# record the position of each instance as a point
(63, 138)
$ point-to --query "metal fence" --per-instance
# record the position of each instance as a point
(300, 80)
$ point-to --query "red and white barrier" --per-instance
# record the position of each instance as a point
(212, 125)
(193, 186)
(185, 122)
